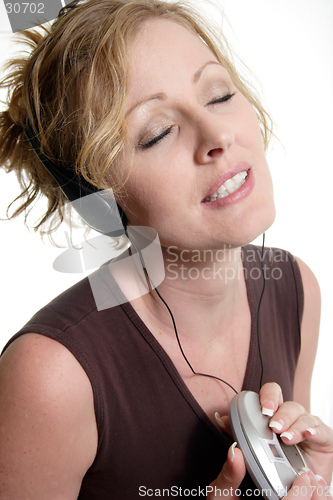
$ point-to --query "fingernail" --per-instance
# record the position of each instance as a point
(231, 453)
(218, 420)
(277, 425)
(287, 435)
(321, 480)
(306, 476)
(267, 411)
(304, 472)
(308, 472)
(311, 430)
(267, 408)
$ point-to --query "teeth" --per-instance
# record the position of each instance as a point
(221, 190)
(229, 187)
(239, 177)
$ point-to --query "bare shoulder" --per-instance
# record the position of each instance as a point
(312, 296)
(309, 334)
(48, 432)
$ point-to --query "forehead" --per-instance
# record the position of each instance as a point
(163, 49)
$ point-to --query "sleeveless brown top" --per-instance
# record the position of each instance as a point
(154, 438)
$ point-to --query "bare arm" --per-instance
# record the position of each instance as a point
(309, 336)
(48, 434)
(296, 424)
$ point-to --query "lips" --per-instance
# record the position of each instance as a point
(228, 183)
(230, 186)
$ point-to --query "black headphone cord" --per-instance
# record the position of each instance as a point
(175, 326)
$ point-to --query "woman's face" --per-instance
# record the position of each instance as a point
(190, 132)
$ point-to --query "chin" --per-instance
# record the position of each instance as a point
(260, 226)
(253, 228)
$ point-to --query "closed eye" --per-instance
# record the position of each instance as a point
(223, 98)
(155, 140)
(158, 138)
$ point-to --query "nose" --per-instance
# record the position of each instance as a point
(214, 137)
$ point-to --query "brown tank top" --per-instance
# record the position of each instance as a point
(153, 435)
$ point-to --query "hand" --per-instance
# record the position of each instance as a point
(306, 486)
(230, 476)
(296, 426)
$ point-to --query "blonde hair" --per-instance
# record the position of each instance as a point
(72, 87)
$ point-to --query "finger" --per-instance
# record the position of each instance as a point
(270, 398)
(317, 438)
(294, 425)
(321, 435)
(230, 477)
(223, 423)
(290, 417)
(320, 488)
(303, 487)
(322, 491)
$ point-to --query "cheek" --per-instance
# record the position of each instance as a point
(248, 127)
(158, 178)
(142, 197)
(156, 198)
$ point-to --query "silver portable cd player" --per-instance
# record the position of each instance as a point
(272, 464)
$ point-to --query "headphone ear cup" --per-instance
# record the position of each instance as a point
(101, 212)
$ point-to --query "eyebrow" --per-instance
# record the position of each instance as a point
(197, 74)
(161, 96)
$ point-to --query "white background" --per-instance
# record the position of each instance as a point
(288, 45)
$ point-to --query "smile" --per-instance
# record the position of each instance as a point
(228, 187)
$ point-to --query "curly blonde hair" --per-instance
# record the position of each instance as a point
(71, 88)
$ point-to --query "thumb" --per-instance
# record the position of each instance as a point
(230, 477)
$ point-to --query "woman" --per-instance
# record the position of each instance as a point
(102, 404)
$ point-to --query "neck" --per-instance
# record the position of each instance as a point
(208, 273)
(205, 291)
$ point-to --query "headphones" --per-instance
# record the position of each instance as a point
(98, 208)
